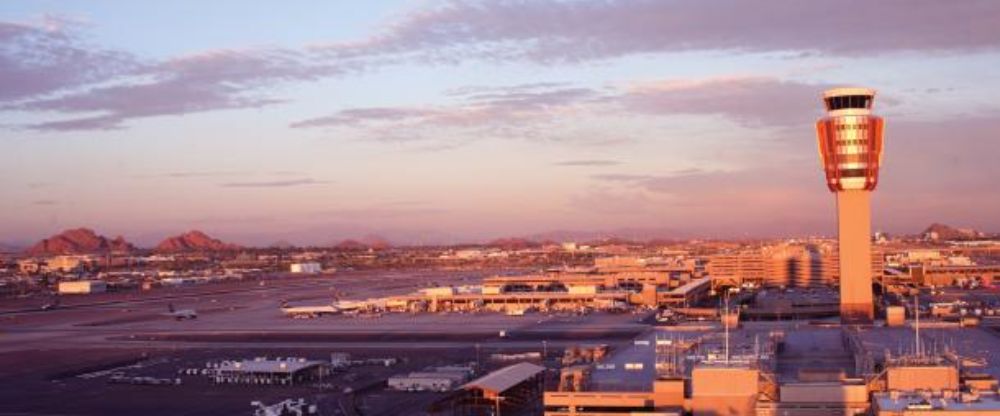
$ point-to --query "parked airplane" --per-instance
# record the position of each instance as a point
(319, 310)
(181, 314)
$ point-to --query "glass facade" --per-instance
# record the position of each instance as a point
(851, 148)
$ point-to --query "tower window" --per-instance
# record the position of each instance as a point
(848, 101)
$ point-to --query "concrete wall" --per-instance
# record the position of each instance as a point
(823, 393)
(718, 391)
(668, 392)
(913, 378)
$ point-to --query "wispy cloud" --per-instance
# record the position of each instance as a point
(746, 100)
(529, 111)
(513, 111)
(46, 66)
(45, 56)
(184, 174)
(38, 185)
(215, 80)
(588, 162)
(44, 202)
(477, 108)
(559, 31)
(275, 184)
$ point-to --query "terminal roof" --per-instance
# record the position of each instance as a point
(505, 378)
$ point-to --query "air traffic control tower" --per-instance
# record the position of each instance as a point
(850, 146)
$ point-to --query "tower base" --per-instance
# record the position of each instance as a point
(856, 313)
(855, 248)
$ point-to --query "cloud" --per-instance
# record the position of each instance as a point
(44, 202)
(47, 66)
(357, 116)
(573, 31)
(194, 174)
(745, 100)
(500, 111)
(46, 56)
(215, 80)
(275, 184)
(38, 185)
(588, 162)
(541, 111)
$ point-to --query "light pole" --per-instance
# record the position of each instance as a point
(478, 364)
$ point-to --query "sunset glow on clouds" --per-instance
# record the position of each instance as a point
(465, 120)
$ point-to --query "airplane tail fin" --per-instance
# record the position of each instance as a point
(170, 307)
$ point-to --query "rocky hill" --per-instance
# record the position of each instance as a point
(373, 242)
(941, 232)
(193, 241)
(513, 243)
(79, 241)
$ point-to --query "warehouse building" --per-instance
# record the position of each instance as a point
(279, 371)
(82, 287)
(440, 379)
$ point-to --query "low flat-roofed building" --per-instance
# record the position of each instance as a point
(82, 287)
(666, 397)
(922, 377)
(65, 263)
(952, 403)
(687, 294)
(305, 268)
(721, 389)
(819, 398)
(784, 265)
(286, 371)
(427, 381)
(30, 266)
(951, 275)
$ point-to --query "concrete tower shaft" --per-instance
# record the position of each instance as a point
(850, 146)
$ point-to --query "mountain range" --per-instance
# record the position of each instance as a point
(86, 241)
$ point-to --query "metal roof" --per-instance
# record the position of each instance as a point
(505, 378)
(692, 285)
(268, 366)
(845, 91)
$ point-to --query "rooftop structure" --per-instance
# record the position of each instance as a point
(503, 379)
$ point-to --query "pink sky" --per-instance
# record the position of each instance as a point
(467, 120)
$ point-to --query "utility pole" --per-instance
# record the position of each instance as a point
(725, 323)
(916, 314)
